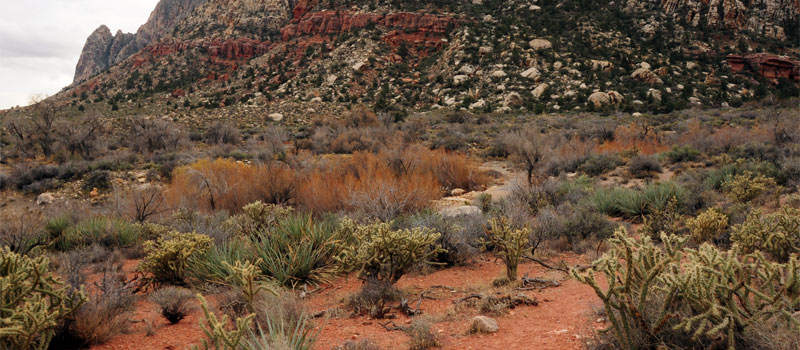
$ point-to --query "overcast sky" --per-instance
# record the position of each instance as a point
(41, 40)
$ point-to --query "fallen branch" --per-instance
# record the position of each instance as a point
(546, 265)
(468, 297)
(527, 281)
(394, 326)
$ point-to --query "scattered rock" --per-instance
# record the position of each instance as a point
(276, 117)
(647, 76)
(458, 79)
(45, 198)
(316, 100)
(457, 192)
(485, 50)
(477, 105)
(483, 324)
(540, 44)
(498, 74)
(540, 90)
(512, 100)
(531, 73)
(602, 65)
(94, 193)
(467, 69)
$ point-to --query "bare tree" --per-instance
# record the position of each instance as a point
(84, 137)
(141, 203)
(529, 148)
(35, 129)
(151, 135)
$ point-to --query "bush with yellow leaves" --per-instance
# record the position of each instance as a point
(381, 253)
(707, 226)
(777, 234)
(33, 301)
(166, 258)
(747, 186)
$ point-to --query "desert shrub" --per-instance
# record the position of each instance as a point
(683, 153)
(372, 298)
(707, 226)
(666, 220)
(296, 250)
(166, 259)
(140, 203)
(789, 166)
(100, 230)
(747, 186)
(174, 302)
(223, 133)
(643, 166)
(23, 234)
(154, 135)
(631, 203)
(107, 312)
(217, 332)
(508, 243)
(421, 335)
(277, 335)
(460, 236)
(759, 151)
(452, 170)
(777, 234)
(596, 165)
(689, 298)
(33, 301)
(229, 185)
(383, 254)
(5, 181)
(99, 179)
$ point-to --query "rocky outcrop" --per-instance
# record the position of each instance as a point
(600, 98)
(766, 65)
(427, 27)
(764, 17)
(102, 50)
(645, 75)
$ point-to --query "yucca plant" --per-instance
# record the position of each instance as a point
(296, 250)
(278, 336)
(214, 266)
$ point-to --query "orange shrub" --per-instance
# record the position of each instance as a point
(629, 137)
(452, 170)
(229, 185)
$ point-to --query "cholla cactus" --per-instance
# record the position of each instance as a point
(746, 187)
(710, 224)
(257, 217)
(703, 293)
(167, 257)
(662, 220)
(248, 276)
(32, 301)
(509, 243)
(384, 254)
(219, 338)
(637, 301)
(777, 234)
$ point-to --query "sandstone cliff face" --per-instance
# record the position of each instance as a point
(762, 17)
(102, 50)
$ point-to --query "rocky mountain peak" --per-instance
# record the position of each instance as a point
(102, 50)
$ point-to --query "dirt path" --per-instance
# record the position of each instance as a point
(562, 320)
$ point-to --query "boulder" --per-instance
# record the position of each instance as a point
(457, 192)
(467, 69)
(602, 65)
(484, 50)
(45, 198)
(599, 99)
(647, 76)
(458, 79)
(531, 73)
(498, 74)
(615, 97)
(276, 117)
(512, 99)
(316, 99)
(483, 324)
(478, 105)
(540, 90)
(540, 44)
(655, 94)
(464, 210)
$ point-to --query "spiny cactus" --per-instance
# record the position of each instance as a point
(166, 258)
(746, 187)
(32, 301)
(257, 217)
(220, 338)
(509, 243)
(384, 254)
(777, 234)
(666, 219)
(710, 224)
(700, 293)
(248, 276)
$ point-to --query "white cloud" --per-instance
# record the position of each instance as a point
(41, 40)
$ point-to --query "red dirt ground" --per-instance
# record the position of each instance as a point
(562, 320)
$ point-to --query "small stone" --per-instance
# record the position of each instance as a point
(276, 117)
(45, 198)
(483, 324)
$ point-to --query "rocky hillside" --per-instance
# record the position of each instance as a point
(247, 59)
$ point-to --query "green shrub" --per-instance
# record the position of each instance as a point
(596, 165)
(777, 234)
(746, 187)
(509, 243)
(684, 153)
(32, 301)
(100, 230)
(296, 250)
(685, 298)
(643, 166)
(707, 226)
(166, 259)
(630, 203)
(383, 254)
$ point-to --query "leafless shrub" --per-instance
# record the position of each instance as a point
(85, 137)
(36, 130)
(529, 148)
(140, 203)
(174, 302)
(223, 133)
(108, 311)
(154, 135)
